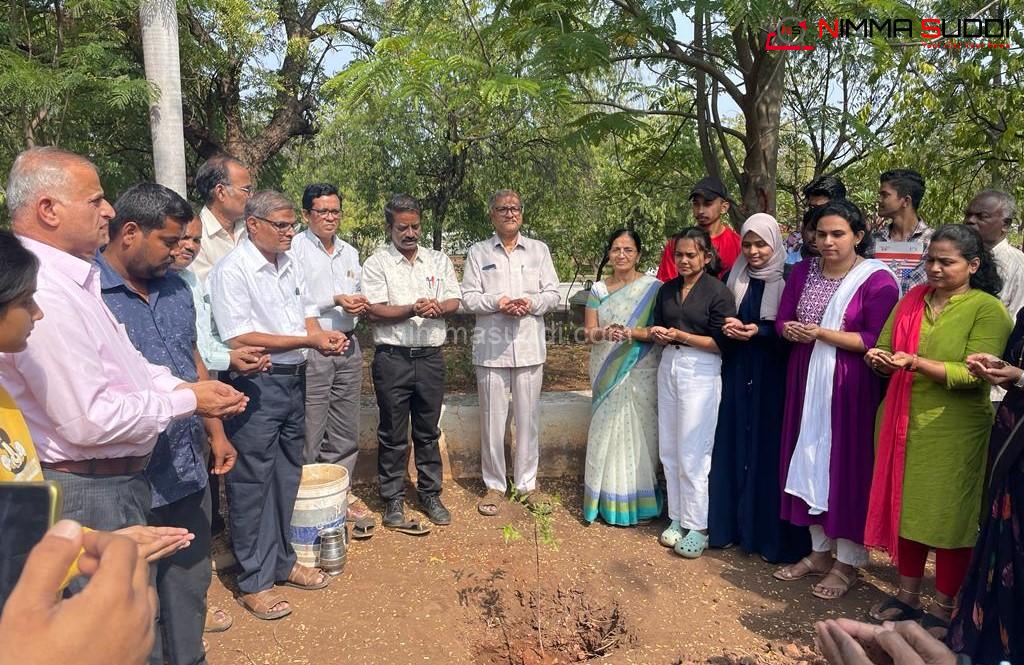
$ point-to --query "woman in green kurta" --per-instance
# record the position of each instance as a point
(935, 422)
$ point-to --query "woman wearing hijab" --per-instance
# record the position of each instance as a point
(744, 482)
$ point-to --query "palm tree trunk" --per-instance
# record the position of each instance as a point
(159, 21)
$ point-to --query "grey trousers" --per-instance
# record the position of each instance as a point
(182, 581)
(333, 386)
(105, 503)
(261, 489)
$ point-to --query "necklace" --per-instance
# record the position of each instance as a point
(856, 260)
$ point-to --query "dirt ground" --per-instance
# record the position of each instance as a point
(464, 595)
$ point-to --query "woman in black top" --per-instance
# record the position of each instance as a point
(688, 317)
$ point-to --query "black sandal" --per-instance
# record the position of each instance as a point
(930, 622)
(409, 527)
(906, 612)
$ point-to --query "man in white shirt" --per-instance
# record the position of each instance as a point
(256, 293)
(991, 213)
(333, 383)
(509, 283)
(224, 185)
(411, 289)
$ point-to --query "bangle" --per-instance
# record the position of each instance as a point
(913, 363)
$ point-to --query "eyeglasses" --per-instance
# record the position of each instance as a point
(281, 227)
(246, 189)
(508, 210)
(627, 251)
(326, 212)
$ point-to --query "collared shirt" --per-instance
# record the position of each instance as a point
(84, 390)
(216, 243)
(389, 278)
(163, 329)
(250, 294)
(908, 275)
(215, 353)
(1010, 265)
(328, 275)
(501, 340)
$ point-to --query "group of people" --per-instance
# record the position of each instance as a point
(807, 415)
(804, 411)
(150, 351)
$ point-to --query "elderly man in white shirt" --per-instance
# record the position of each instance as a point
(333, 383)
(256, 293)
(509, 283)
(224, 185)
(411, 289)
(991, 212)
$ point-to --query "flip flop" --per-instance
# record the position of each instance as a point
(410, 528)
(259, 604)
(363, 527)
(906, 612)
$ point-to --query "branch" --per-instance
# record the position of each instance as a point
(679, 114)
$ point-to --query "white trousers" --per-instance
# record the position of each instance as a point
(847, 551)
(495, 384)
(689, 391)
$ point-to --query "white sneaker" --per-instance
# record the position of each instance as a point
(672, 535)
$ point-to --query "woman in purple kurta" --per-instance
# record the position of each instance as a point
(856, 393)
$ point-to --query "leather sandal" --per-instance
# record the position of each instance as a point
(835, 593)
(490, 504)
(785, 574)
(261, 604)
(306, 578)
(217, 620)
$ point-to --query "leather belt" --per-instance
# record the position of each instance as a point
(409, 351)
(115, 466)
(288, 370)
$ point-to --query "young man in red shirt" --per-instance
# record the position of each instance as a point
(710, 202)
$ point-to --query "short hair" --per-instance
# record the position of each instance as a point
(825, 185)
(615, 235)
(18, 269)
(265, 202)
(149, 204)
(400, 203)
(1005, 201)
(315, 191)
(967, 239)
(906, 182)
(213, 172)
(39, 171)
(703, 240)
(849, 211)
(501, 194)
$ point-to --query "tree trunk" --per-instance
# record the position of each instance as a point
(762, 109)
(159, 23)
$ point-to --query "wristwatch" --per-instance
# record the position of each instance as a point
(1019, 383)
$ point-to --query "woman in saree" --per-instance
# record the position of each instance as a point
(744, 482)
(620, 484)
(935, 423)
(988, 624)
(832, 310)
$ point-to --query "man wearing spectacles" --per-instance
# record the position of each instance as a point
(224, 185)
(509, 283)
(333, 383)
(257, 301)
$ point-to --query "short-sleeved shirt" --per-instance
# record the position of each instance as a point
(215, 353)
(908, 275)
(390, 278)
(328, 275)
(501, 340)
(216, 243)
(703, 312)
(163, 329)
(728, 245)
(250, 294)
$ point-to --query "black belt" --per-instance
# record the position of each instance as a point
(409, 351)
(287, 370)
(116, 466)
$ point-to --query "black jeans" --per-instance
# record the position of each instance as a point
(408, 387)
(262, 486)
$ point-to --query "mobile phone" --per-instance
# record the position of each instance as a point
(27, 510)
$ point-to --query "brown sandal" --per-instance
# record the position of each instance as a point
(217, 620)
(785, 574)
(490, 504)
(306, 578)
(835, 593)
(261, 604)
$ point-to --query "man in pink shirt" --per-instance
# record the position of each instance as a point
(93, 405)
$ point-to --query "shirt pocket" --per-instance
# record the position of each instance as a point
(531, 280)
(493, 280)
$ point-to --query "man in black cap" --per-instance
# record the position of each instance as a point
(710, 202)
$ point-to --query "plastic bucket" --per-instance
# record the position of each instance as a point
(321, 503)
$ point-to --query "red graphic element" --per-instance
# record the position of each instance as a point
(786, 30)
